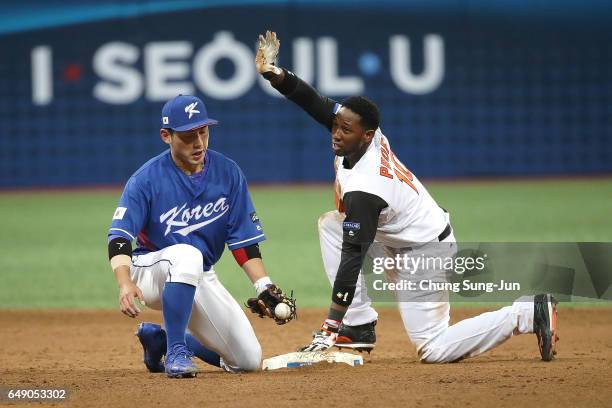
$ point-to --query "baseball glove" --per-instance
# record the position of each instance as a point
(266, 302)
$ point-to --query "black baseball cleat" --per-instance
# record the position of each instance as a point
(545, 324)
(360, 338)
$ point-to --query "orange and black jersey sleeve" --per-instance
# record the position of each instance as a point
(359, 229)
(319, 107)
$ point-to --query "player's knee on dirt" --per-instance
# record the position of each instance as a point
(432, 357)
(250, 358)
(434, 354)
(186, 264)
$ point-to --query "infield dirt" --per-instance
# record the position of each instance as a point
(95, 355)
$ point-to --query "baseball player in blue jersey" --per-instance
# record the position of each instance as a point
(182, 207)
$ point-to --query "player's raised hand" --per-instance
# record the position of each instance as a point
(127, 292)
(267, 51)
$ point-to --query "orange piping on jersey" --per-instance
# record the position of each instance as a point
(337, 193)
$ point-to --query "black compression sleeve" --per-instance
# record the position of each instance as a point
(351, 260)
(289, 83)
(362, 211)
(320, 107)
(359, 226)
(119, 246)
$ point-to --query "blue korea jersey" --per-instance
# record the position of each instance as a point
(162, 206)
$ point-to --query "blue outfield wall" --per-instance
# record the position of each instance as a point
(465, 89)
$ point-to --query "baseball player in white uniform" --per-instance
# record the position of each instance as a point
(383, 210)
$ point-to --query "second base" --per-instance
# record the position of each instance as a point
(302, 358)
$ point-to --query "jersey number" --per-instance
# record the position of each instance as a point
(400, 171)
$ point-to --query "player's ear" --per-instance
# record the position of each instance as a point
(165, 135)
(369, 134)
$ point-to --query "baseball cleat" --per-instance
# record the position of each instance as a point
(545, 325)
(178, 362)
(153, 340)
(359, 338)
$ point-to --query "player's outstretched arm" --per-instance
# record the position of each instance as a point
(320, 107)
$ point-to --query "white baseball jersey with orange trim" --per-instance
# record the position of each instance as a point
(412, 215)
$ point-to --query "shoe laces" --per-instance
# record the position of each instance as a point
(180, 350)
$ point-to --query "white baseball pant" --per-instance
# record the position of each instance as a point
(217, 320)
(426, 322)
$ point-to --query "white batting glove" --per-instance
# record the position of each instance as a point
(325, 338)
(267, 51)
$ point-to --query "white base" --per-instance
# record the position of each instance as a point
(302, 358)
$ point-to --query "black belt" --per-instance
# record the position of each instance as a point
(444, 234)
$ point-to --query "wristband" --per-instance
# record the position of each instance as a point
(276, 71)
(120, 260)
(262, 284)
(331, 326)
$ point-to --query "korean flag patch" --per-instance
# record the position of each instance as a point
(119, 213)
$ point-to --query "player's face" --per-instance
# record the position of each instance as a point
(349, 138)
(188, 148)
